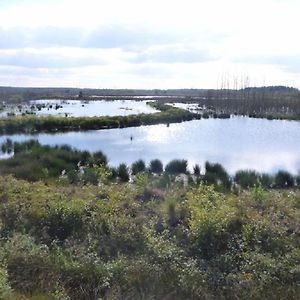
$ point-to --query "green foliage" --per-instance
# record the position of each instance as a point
(138, 167)
(176, 166)
(123, 172)
(7, 146)
(97, 158)
(247, 178)
(33, 124)
(164, 181)
(196, 170)
(73, 177)
(90, 176)
(297, 179)
(211, 216)
(5, 288)
(217, 175)
(266, 180)
(90, 242)
(156, 166)
(33, 161)
(284, 179)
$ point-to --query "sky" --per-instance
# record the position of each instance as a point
(157, 44)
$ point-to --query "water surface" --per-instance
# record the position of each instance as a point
(77, 108)
(236, 143)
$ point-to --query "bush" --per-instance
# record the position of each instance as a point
(99, 158)
(143, 242)
(298, 180)
(156, 166)
(163, 181)
(114, 173)
(7, 146)
(138, 167)
(284, 179)
(123, 173)
(90, 176)
(247, 178)
(196, 170)
(33, 161)
(73, 177)
(215, 174)
(5, 289)
(176, 166)
(266, 180)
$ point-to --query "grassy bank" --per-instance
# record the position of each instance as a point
(32, 161)
(34, 124)
(30, 123)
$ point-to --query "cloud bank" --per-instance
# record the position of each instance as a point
(136, 44)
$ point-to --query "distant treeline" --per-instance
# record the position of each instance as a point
(270, 101)
(275, 101)
(17, 94)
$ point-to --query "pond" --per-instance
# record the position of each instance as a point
(236, 143)
(77, 108)
(192, 107)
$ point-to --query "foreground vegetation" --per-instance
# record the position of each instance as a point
(76, 229)
(141, 241)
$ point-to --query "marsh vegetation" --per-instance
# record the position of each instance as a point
(152, 239)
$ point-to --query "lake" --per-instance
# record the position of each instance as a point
(236, 143)
(77, 108)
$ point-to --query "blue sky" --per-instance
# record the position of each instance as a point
(149, 44)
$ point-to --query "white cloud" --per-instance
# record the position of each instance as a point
(60, 57)
(149, 43)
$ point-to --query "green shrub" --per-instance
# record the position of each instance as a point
(284, 179)
(123, 173)
(266, 180)
(73, 177)
(156, 166)
(247, 178)
(196, 170)
(176, 166)
(216, 174)
(298, 180)
(138, 167)
(163, 181)
(90, 175)
(98, 158)
(5, 288)
(139, 241)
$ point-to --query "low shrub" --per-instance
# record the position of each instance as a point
(176, 166)
(156, 166)
(138, 167)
